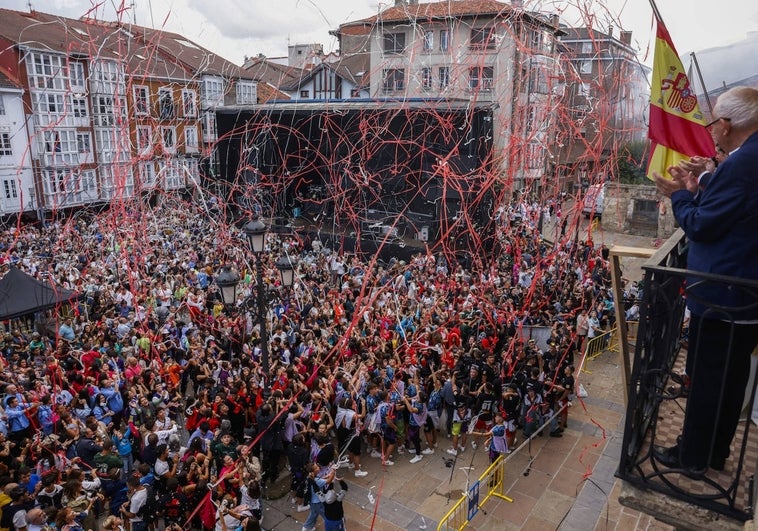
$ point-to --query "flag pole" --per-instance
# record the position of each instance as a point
(655, 11)
(702, 83)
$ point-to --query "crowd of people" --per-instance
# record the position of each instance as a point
(146, 401)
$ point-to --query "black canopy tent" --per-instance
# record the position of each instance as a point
(21, 295)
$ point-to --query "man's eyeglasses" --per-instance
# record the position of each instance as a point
(711, 124)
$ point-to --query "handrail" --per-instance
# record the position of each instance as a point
(656, 404)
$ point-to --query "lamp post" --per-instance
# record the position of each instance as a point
(255, 232)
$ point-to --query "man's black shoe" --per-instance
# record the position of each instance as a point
(556, 433)
(668, 457)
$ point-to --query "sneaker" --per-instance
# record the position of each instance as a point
(416, 459)
(309, 528)
(452, 451)
(401, 450)
(293, 501)
(360, 473)
(375, 454)
(462, 448)
(473, 445)
(303, 508)
(389, 463)
(427, 451)
(350, 466)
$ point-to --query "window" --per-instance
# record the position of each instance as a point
(426, 78)
(482, 38)
(355, 93)
(326, 85)
(141, 100)
(539, 80)
(46, 71)
(59, 181)
(213, 91)
(83, 143)
(165, 104)
(168, 134)
(5, 144)
(394, 43)
(49, 103)
(587, 47)
(76, 75)
(444, 40)
(210, 131)
(246, 93)
(9, 188)
(104, 111)
(444, 77)
(535, 155)
(79, 107)
(144, 139)
(88, 181)
(63, 141)
(189, 105)
(304, 94)
(585, 67)
(428, 41)
(2, 106)
(190, 139)
(480, 78)
(536, 38)
(394, 80)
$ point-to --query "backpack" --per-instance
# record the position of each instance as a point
(150, 510)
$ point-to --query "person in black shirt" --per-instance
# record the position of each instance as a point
(334, 513)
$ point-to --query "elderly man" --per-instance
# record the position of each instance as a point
(719, 222)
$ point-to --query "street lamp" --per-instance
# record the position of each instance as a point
(255, 232)
(227, 281)
(286, 268)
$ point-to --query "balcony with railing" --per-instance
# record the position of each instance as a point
(686, 498)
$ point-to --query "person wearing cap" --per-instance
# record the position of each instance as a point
(461, 419)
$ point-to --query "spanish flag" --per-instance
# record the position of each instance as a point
(677, 129)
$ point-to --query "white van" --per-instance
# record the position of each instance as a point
(594, 201)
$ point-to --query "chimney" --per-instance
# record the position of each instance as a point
(555, 20)
(626, 38)
(517, 3)
(610, 31)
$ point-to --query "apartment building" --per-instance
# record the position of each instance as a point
(606, 103)
(481, 51)
(114, 110)
(16, 181)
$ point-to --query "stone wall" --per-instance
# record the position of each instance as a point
(620, 214)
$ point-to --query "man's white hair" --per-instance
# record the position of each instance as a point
(740, 106)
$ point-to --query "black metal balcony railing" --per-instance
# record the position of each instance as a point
(655, 410)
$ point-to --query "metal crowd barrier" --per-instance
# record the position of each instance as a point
(490, 483)
(599, 344)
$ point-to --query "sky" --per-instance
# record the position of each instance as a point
(238, 28)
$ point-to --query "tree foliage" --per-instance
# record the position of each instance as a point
(632, 162)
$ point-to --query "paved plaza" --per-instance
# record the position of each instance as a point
(555, 483)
